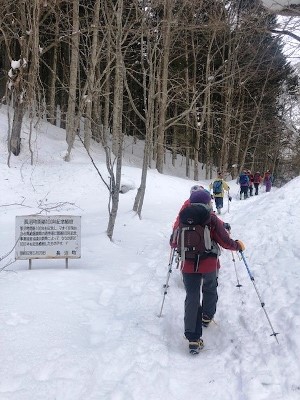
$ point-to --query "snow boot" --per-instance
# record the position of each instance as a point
(206, 320)
(195, 346)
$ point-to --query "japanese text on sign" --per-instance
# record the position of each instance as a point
(55, 236)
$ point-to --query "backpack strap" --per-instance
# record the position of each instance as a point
(183, 249)
(215, 248)
(207, 238)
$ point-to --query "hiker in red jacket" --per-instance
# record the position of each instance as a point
(204, 278)
(256, 181)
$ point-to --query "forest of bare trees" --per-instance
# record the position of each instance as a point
(206, 79)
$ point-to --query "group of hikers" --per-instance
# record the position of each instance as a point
(198, 233)
(247, 182)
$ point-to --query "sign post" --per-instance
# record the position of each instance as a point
(54, 236)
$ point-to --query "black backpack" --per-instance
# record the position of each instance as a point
(193, 240)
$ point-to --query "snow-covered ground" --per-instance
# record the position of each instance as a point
(92, 332)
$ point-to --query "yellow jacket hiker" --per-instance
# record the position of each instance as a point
(219, 186)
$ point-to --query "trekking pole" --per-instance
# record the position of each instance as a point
(228, 195)
(261, 302)
(166, 285)
(236, 273)
(228, 228)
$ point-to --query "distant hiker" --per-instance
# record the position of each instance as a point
(218, 186)
(268, 180)
(243, 181)
(200, 228)
(251, 179)
(256, 181)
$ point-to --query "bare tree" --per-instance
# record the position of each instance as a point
(149, 50)
(91, 75)
(166, 35)
(117, 129)
(72, 118)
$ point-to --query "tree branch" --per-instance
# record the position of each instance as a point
(285, 32)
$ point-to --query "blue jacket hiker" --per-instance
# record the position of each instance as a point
(243, 181)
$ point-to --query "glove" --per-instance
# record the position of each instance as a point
(229, 198)
(227, 226)
(241, 245)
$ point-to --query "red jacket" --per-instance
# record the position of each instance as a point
(217, 233)
(251, 178)
(257, 178)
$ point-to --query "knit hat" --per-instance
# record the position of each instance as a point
(200, 196)
(195, 188)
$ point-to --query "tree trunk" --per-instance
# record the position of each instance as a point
(117, 121)
(164, 85)
(15, 137)
(91, 78)
(107, 91)
(209, 159)
(18, 88)
(71, 113)
(52, 88)
(149, 102)
(228, 111)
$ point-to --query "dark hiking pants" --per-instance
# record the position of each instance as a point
(219, 202)
(244, 191)
(193, 306)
